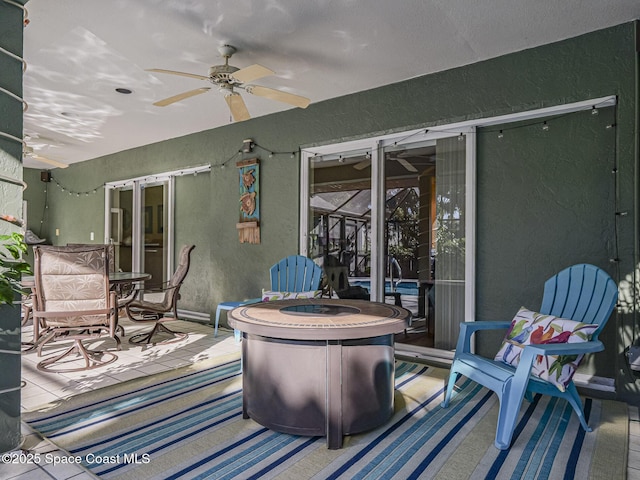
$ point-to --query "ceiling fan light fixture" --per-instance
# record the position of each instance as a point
(226, 89)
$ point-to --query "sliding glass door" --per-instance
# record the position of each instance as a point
(136, 224)
(389, 220)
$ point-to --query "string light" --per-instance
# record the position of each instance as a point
(544, 124)
(272, 153)
(73, 192)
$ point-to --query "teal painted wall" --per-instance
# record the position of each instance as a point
(11, 26)
(564, 175)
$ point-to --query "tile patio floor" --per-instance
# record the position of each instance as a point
(135, 361)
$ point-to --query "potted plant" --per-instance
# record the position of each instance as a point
(11, 266)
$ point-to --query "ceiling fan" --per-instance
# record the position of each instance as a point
(28, 151)
(228, 79)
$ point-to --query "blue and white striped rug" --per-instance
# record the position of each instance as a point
(188, 424)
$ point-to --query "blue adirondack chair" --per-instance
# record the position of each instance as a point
(294, 273)
(582, 293)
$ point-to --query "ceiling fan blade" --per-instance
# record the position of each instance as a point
(27, 151)
(173, 72)
(238, 108)
(251, 73)
(406, 164)
(55, 163)
(290, 98)
(363, 164)
(181, 96)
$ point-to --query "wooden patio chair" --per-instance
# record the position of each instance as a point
(523, 366)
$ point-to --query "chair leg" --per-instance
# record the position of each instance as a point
(158, 328)
(510, 399)
(43, 340)
(215, 328)
(91, 359)
(573, 397)
(120, 329)
(453, 378)
(507, 417)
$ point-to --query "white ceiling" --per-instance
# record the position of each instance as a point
(79, 52)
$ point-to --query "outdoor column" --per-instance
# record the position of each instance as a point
(11, 108)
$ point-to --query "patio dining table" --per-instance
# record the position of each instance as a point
(124, 284)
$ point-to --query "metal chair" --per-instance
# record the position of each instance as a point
(583, 293)
(72, 301)
(148, 311)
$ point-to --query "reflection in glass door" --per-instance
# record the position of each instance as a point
(339, 237)
(409, 243)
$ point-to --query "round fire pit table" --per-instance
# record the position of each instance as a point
(318, 367)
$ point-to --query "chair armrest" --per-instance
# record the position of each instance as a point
(482, 325)
(530, 352)
(469, 328)
(566, 348)
(159, 287)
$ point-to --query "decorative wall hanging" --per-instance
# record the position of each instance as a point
(249, 224)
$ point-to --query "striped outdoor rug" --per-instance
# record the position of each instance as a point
(188, 424)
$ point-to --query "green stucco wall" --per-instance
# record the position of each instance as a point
(567, 216)
(546, 200)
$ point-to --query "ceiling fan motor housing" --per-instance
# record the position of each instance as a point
(222, 74)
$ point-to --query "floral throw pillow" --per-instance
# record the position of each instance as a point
(532, 328)
(268, 296)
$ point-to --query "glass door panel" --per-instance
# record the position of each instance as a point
(121, 235)
(410, 173)
(339, 217)
(425, 237)
(155, 245)
(450, 241)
